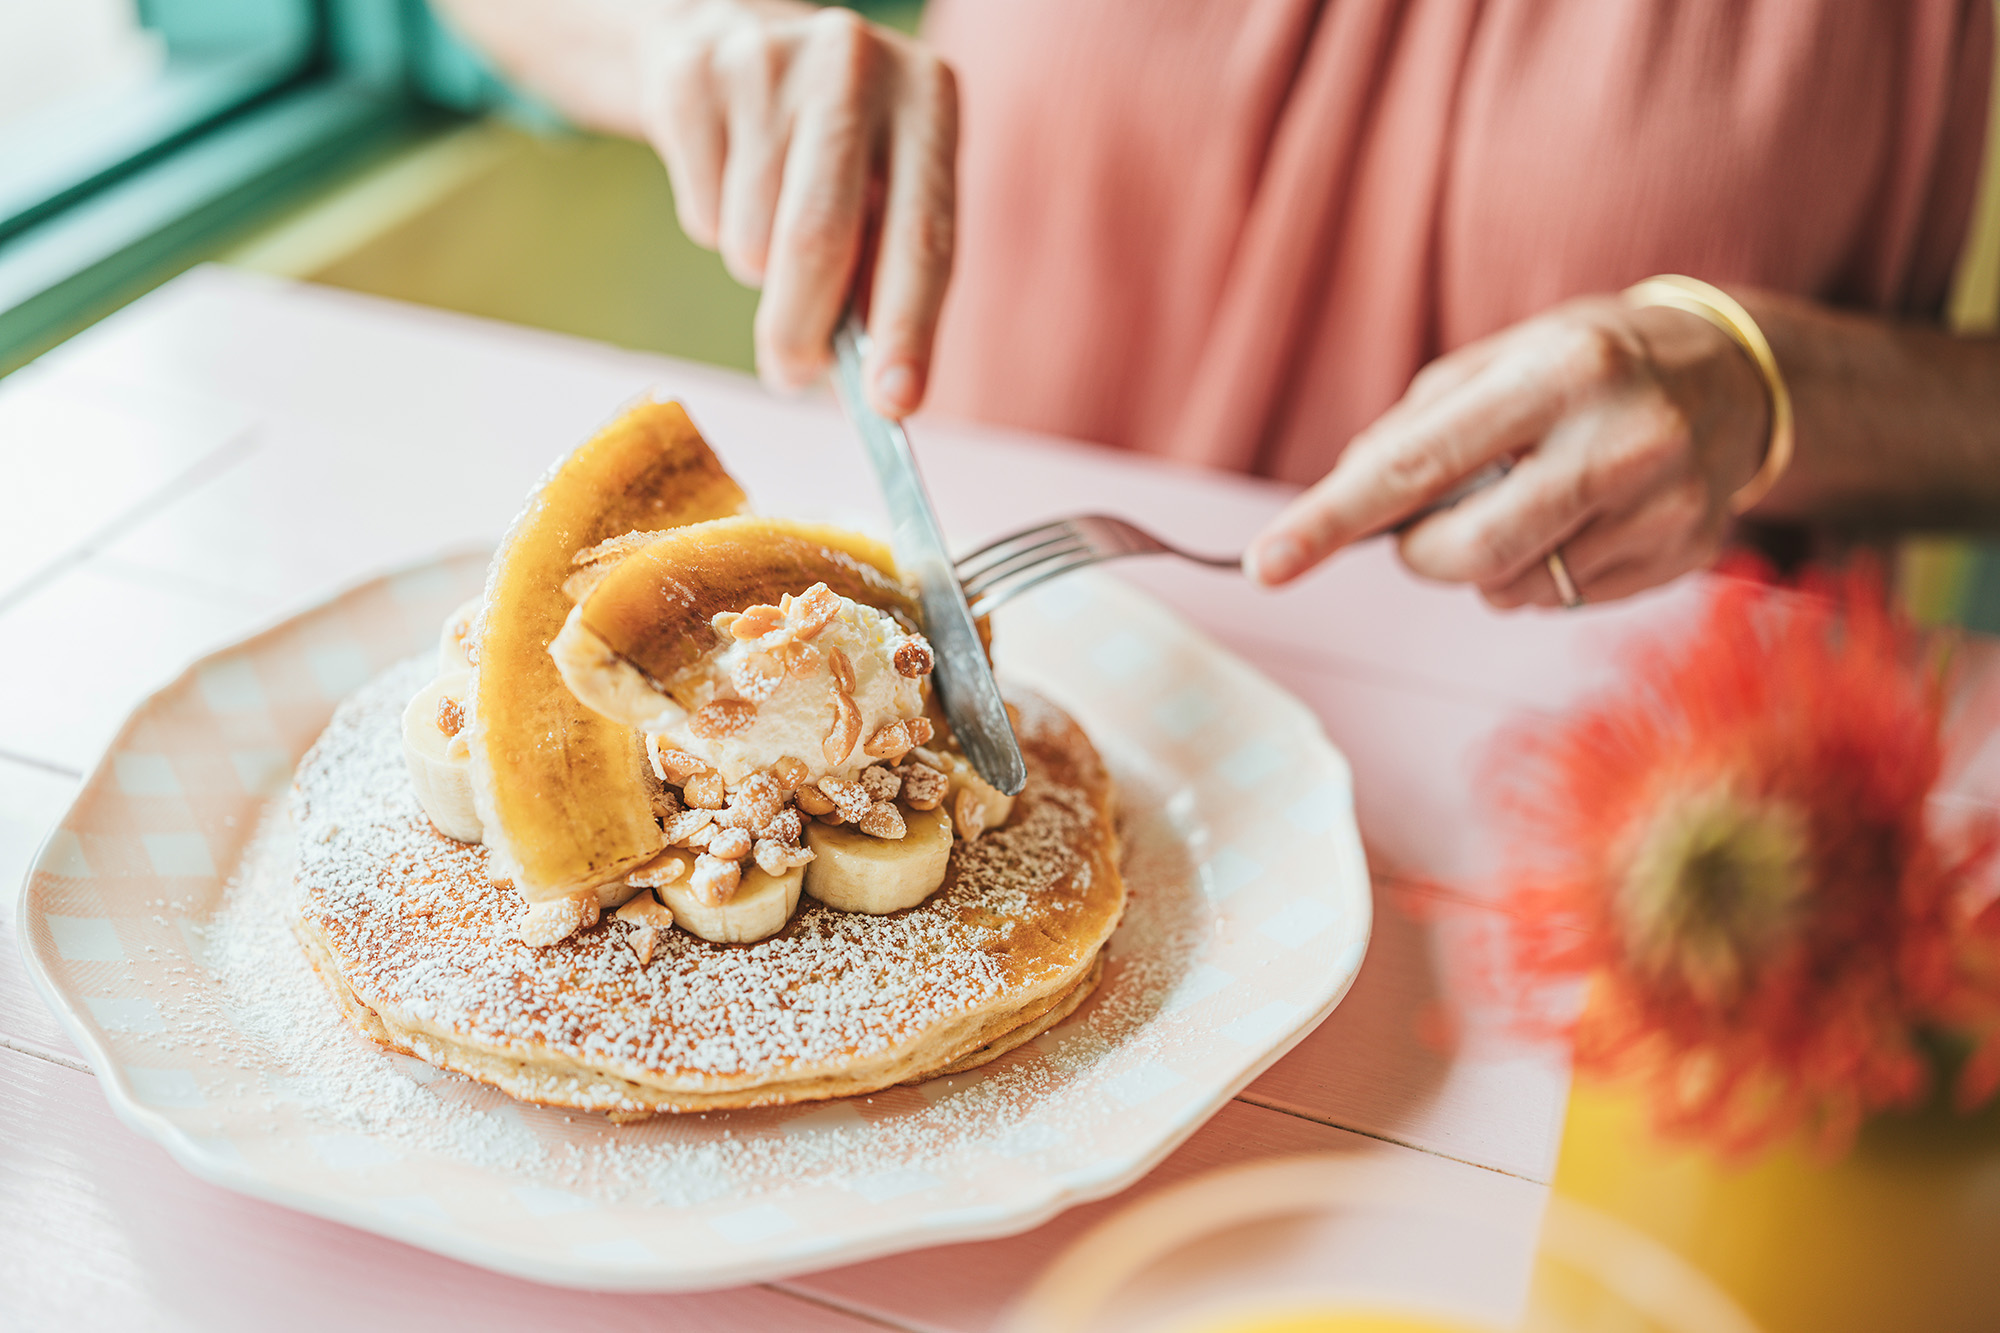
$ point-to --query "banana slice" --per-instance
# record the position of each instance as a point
(855, 872)
(974, 803)
(453, 637)
(438, 762)
(760, 908)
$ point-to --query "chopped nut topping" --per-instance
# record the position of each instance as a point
(774, 858)
(920, 730)
(755, 803)
(715, 879)
(842, 668)
(451, 716)
(756, 622)
(968, 814)
(850, 798)
(646, 910)
(928, 758)
(642, 941)
(880, 783)
(831, 817)
(549, 923)
(923, 786)
(790, 772)
(802, 660)
(813, 801)
(845, 731)
(914, 657)
(883, 820)
(698, 840)
(891, 742)
(703, 791)
(684, 825)
(785, 826)
(813, 609)
(756, 676)
(662, 869)
(722, 717)
(675, 765)
(731, 844)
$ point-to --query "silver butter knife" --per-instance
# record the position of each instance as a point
(964, 681)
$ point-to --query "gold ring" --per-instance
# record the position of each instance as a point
(1565, 585)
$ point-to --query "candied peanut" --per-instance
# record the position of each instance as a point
(722, 717)
(842, 668)
(785, 826)
(883, 820)
(703, 791)
(850, 798)
(921, 730)
(715, 879)
(813, 609)
(642, 941)
(790, 772)
(968, 813)
(802, 660)
(699, 839)
(831, 817)
(685, 824)
(880, 783)
(731, 844)
(451, 716)
(914, 658)
(662, 869)
(844, 732)
(756, 676)
(923, 786)
(813, 801)
(775, 858)
(928, 758)
(646, 910)
(755, 803)
(549, 923)
(757, 621)
(891, 742)
(676, 765)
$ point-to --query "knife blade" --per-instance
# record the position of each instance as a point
(963, 679)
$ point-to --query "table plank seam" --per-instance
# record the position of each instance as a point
(196, 475)
(41, 765)
(1380, 1137)
(824, 1302)
(42, 1053)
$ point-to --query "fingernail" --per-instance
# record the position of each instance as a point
(896, 386)
(1274, 561)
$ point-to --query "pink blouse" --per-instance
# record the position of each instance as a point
(1231, 230)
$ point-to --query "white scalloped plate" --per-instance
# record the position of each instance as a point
(154, 928)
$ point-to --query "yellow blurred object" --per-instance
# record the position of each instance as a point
(1901, 1234)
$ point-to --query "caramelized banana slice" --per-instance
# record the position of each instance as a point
(855, 872)
(562, 792)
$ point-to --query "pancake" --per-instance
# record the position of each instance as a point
(413, 935)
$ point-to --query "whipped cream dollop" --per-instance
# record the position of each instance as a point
(819, 681)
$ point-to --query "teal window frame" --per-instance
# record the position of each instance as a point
(259, 103)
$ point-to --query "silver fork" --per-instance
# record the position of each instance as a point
(1002, 570)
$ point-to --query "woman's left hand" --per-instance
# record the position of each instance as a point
(1629, 431)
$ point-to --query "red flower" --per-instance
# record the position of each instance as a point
(1735, 852)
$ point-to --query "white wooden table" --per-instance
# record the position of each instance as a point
(232, 448)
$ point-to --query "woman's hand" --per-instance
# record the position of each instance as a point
(795, 137)
(1628, 430)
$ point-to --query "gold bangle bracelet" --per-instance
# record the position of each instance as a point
(1726, 313)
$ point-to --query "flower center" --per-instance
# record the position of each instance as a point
(1713, 885)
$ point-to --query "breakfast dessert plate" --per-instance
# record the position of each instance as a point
(156, 922)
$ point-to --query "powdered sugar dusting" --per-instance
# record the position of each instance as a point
(272, 1013)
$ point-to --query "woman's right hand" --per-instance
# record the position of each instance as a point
(794, 136)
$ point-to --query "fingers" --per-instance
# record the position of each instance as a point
(1659, 537)
(1412, 457)
(822, 205)
(750, 70)
(683, 114)
(913, 264)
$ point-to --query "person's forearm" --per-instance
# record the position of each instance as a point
(1898, 425)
